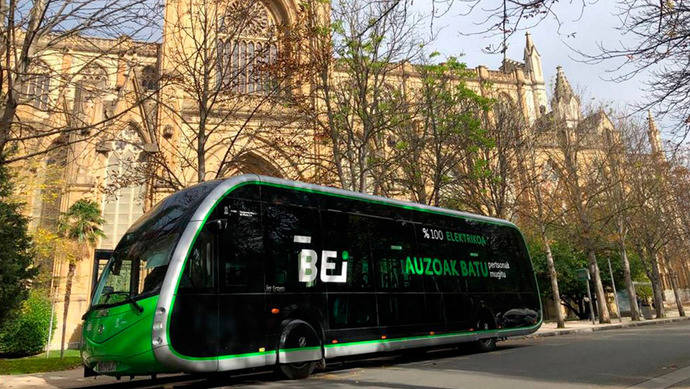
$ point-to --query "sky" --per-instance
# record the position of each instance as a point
(580, 28)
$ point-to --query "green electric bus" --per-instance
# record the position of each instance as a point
(256, 271)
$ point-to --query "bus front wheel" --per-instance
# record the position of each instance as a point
(300, 347)
(296, 371)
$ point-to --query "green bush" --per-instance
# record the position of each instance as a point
(26, 332)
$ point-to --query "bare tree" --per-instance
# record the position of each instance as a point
(503, 18)
(649, 227)
(226, 77)
(355, 100)
(541, 204)
(37, 93)
(658, 44)
(576, 157)
(617, 196)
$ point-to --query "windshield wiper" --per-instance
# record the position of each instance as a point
(127, 299)
(136, 305)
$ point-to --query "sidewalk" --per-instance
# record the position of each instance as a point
(585, 326)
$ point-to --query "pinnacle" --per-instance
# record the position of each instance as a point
(563, 88)
(653, 134)
(528, 41)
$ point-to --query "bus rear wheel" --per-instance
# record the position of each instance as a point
(486, 344)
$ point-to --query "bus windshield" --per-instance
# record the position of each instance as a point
(135, 260)
(140, 260)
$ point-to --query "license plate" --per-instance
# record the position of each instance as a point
(106, 367)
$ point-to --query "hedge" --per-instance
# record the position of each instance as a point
(26, 333)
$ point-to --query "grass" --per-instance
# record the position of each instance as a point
(39, 363)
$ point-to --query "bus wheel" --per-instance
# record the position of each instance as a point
(296, 371)
(302, 347)
(486, 344)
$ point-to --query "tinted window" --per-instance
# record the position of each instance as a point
(352, 310)
(348, 236)
(392, 241)
(295, 197)
(200, 269)
(246, 192)
(242, 245)
(509, 267)
(289, 230)
(462, 247)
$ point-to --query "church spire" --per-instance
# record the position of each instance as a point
(563, 90)
(565, 103)
(654, 136)
(529, 45)
(532, 60)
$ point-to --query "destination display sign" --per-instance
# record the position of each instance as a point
(474, 266)
(452, 236)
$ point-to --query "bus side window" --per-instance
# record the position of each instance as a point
(289, 229)
(392, 241)
(520, 263)
(348, 235)
(242, 247)
(199, 272)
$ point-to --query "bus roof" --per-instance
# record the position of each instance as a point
(231, 183)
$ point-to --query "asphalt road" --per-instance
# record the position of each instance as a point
(649, 357)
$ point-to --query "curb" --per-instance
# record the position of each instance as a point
(605, 327)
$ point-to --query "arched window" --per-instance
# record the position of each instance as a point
(149, 78)
(250, 163)
(37, 86)
(124, 199)
(246, 45)
(47, 197)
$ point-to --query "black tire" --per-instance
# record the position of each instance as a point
(298, 333)
(297, 371)
(486, 344)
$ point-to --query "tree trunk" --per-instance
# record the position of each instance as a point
(604, 316)
(68, 293)
(676, 294)
(629, 286)
(657, 288)
(553, 276)
(674, 285)
(201, 150)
